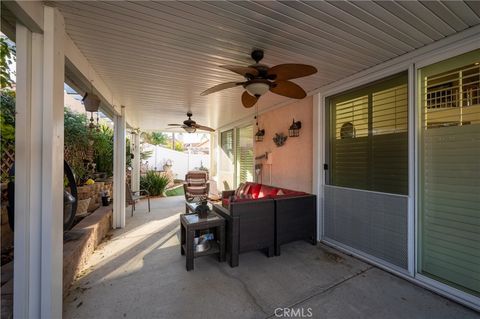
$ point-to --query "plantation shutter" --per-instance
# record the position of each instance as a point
(244, 153)
(450, 172)
(369, 139)
(227, 143)
(226, 167)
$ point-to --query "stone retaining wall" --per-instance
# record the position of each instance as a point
(84, 238)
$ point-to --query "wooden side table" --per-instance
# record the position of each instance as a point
(190, 224)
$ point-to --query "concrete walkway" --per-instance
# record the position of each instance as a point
(139, 273)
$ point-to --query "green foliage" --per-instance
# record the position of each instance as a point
(7, 119)
(76, 142)
(103, 149)
(7, 58)
(154, 183)
(155, 138)
(178, 191)
(78, 139)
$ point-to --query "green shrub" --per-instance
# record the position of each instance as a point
(154, 183)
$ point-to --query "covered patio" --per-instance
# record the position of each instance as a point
(139, 273)
(379, 129)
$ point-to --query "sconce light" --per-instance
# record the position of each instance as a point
(294, 130)
(259, 135)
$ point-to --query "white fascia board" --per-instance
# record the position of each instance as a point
(29, 13)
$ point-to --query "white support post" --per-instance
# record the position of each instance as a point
(52, 164)
(39, 170)
(119, 167)
(136, 161)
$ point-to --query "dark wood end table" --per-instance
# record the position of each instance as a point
(192, 223)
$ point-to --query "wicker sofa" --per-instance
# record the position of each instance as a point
(266, 217)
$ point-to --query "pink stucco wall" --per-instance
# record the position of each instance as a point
(291, 163)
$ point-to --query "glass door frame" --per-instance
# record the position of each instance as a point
(416, 121)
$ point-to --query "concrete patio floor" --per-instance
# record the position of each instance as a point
(139, 273)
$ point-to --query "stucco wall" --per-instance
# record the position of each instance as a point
(291, 163)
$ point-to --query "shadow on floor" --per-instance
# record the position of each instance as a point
(140, 273)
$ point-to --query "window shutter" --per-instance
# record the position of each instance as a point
(369, 140)
(244, 151)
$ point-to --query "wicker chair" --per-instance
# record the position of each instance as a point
(196, 186)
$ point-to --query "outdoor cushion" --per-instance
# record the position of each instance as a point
(197, 190)
(254, 190)
(246, 189)
(240, 189)
(267, 191)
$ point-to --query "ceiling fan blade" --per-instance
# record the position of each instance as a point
(291, 71)
(248, 100)
(203, 128)
(288, 89)
(242, 70)
(175, 124)
(220, 87)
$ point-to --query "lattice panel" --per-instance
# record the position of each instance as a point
(8, 159)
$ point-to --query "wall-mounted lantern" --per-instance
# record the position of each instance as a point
(259, 135)
(294, 130)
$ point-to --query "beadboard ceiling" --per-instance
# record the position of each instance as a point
(158, 56)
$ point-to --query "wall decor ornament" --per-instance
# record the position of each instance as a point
(279, 139)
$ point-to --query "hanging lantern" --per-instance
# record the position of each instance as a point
(91, 102)
(294, 130)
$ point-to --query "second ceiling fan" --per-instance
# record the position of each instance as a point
(260, 79)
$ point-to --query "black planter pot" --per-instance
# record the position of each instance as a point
(105, 200)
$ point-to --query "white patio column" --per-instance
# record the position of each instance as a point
(136, 161)
(119, 167)
(39, 170)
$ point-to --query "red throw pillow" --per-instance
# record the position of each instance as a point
(267, 191)
(254, 190)
(240, 189)
(246, 189)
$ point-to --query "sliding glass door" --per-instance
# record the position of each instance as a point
(449, 172)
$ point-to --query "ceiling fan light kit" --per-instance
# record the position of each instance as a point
(260, 79)
(257, 88)
(189, 129)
